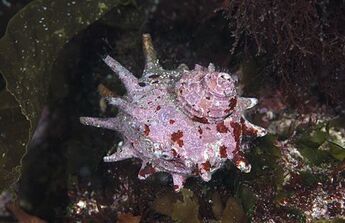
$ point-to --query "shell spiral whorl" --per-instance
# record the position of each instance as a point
(205, 94)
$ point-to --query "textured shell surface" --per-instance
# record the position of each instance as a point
(184, 122)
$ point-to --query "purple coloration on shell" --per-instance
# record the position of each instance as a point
(184, 122)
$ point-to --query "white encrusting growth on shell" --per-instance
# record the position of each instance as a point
(247, 103)
(107, 123)
(252, 129)
(211, 67)
(243, 166)
(120, 103)
(124, 151)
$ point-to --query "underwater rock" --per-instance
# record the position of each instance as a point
(184, 122)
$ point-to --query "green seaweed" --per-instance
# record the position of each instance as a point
(184, 210)
(321, 144)
(13, 136)
(28, 50)
(248, 199)
(233, 212)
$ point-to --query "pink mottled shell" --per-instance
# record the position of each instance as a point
(206, 94)
(184, 122)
